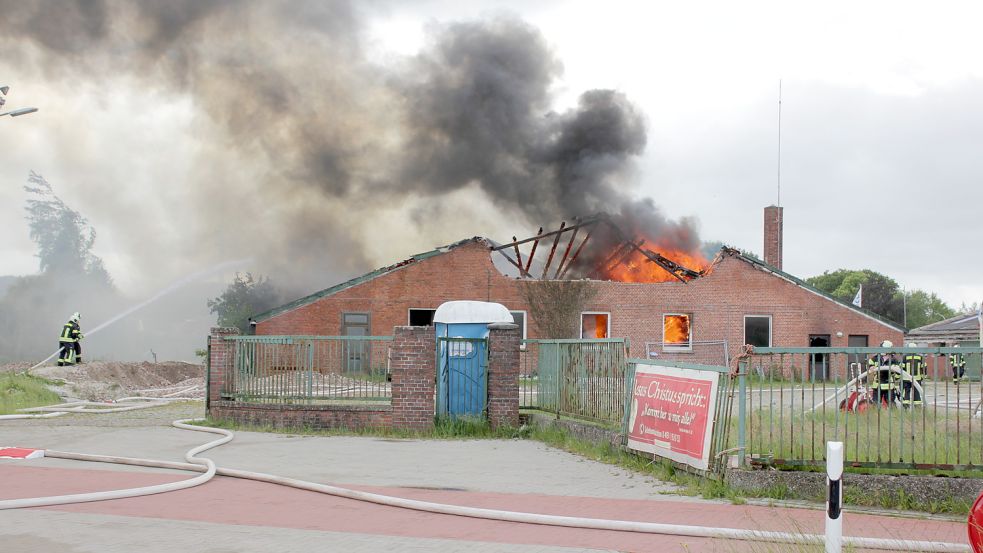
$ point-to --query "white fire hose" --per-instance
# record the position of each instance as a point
(842, 391)
(209, 469)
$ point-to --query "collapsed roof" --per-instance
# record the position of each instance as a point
(618, 249)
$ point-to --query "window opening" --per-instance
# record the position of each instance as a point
(595, 325)
(421, 317)
(677, 332)
(757, 330)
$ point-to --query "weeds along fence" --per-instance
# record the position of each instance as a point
(792, 400)
(309, 369)
(579, 378)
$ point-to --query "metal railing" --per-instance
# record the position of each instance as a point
(309, 369)
(793, 400)
(580, 378)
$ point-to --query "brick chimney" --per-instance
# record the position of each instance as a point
(773, 236)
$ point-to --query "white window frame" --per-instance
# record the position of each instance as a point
(582, 313)
(525, 324)
(771, 328)
(666, 346)
(418, 309)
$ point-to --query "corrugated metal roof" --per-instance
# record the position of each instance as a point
(961, 328)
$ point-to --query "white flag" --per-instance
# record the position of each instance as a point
(858, 299)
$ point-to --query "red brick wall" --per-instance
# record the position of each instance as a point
(413, 365)
(466, 272)
(774, 236)
(717, 302)
(319, 417)
(219, 361)
(503, 375)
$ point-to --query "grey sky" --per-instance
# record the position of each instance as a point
(882, 129)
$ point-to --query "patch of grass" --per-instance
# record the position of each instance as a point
(444, 429)
(18, 391)
(905, 501)
(689, 484)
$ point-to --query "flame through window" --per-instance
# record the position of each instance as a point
(676, 331)
(594, 325)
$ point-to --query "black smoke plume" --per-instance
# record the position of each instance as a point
(307, 134)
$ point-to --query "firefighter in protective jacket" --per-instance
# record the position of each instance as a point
(880, 377)
(958, 363)
(914, 365)
(70, 351)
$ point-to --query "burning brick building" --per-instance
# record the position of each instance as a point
(667, 302)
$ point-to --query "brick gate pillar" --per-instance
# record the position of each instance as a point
(414, 372)
(220, 359)
(503, 374)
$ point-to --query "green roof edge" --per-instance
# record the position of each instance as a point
(799, 282)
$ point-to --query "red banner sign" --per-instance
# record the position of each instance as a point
(672, 413)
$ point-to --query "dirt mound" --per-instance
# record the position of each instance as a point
(127, 375)
(106, 380)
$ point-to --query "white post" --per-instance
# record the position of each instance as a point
(834, 497)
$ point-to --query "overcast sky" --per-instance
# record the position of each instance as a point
(882, 134)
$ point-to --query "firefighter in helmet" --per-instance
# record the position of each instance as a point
(881, 377)
(914, 366)
(958, 363)
(70, 351)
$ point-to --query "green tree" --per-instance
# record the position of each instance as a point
(71, 277)
(881, 294)
(555, 305)
(63, 236)
(243, 298)
(926, 308)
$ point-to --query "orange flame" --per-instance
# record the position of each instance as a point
(600, 326)
(637, 268)
(676, 330)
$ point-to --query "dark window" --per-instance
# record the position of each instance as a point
(421, 317)
(757, 330)
(520, 319)
(857, 360)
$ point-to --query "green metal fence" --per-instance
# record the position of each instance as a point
(309, 369)
(793, 400)
(580, 378)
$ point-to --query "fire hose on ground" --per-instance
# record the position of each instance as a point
(209, 469)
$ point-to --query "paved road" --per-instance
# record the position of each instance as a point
(229, 515)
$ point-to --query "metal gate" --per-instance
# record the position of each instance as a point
(462, 376)
(583, 378)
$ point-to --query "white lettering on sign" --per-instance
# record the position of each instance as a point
(655, 390)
